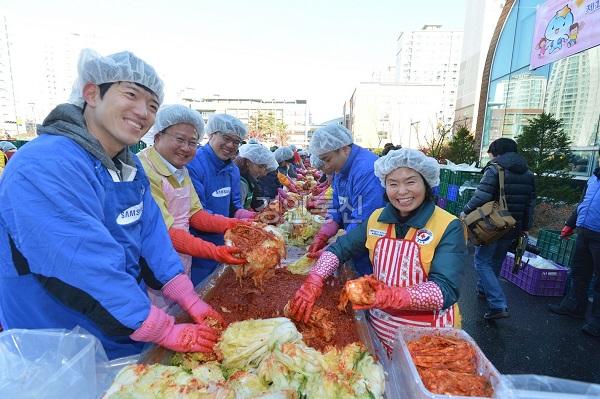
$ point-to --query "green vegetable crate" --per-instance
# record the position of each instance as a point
(551, 246)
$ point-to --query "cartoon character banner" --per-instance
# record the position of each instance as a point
(563, 28)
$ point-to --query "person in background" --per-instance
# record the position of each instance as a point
(519, 186)
(417, 250)
(177, 132)
(356, 190)
(216, 180)
(80, 234)
(254, 161)
(285, 172)
(8, 148)
(586, 263)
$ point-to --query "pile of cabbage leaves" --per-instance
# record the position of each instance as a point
(259, 359)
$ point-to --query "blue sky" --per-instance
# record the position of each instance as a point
(318, 50)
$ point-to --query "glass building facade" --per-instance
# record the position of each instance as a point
(568, 88)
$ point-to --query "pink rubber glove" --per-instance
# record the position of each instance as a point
(160, 328)
(244, 214)
(566, 232)
(305, 298)
(181, 290)
(327, 231)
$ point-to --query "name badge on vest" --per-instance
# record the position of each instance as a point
(222, 192)
(376, 233)
(131, 214)
(423, 237)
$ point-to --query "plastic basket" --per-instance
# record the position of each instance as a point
(442, 203)
(452, 192)
(534, 281)
(552, 247)
(405, 372)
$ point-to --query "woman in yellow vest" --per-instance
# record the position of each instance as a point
(417, 250)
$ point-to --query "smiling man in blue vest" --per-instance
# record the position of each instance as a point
(80, 235)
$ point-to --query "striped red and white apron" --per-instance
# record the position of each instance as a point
(397, 263)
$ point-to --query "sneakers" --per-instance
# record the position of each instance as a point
(566, 312)
(591, 329)
(496, 314)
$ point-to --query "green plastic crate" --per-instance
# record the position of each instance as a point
(551, 246)
(137, 147)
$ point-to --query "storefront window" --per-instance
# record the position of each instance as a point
(524, 34)
(573, 95)
(504, 49)
(582, 163)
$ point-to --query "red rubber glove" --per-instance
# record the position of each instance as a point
(186, 243)
(566, 232)
(181, 290)
(212, 223)
(305, 297)
(160, 328)
(393, 298)
(327, 231)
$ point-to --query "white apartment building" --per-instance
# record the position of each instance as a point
(293, 112)
(480, 21)
(429, 56)
(38, 66)
(402, 113)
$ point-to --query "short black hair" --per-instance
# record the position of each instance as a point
(502, 146)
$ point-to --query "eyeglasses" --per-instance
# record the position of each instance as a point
(183, 142)
(230, 140)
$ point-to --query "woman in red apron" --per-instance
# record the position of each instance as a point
(417, 251)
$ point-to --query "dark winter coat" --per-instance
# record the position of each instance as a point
(519, 188)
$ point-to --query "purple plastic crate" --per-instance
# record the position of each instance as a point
(441, 202)
(541, 282)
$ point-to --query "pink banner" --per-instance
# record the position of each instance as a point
(563, 28)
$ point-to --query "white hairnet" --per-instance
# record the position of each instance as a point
(172, 114)
(120, 67)
(316, 162)
(6, 146)
(274, 165)
(329, 138)
(428, 167)
(257, 153)
(284, 154)
(227, 124)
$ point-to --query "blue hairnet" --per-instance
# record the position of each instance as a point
(428, 167)
(119, 67)
(227, 124)
(284, 154)
(6, 146)
(316, 162)
(329, 138)
(172, 114)
(257, 153)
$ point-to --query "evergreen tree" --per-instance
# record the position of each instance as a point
(461, 148)
(545, 145)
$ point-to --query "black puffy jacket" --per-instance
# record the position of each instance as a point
(519, 188)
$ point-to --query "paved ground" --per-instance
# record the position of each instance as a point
(532, 340)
